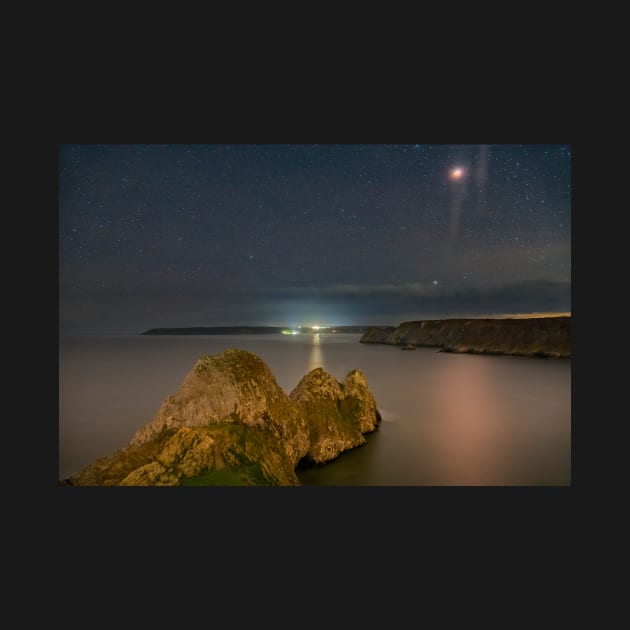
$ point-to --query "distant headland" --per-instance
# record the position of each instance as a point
(256, 330)
(532, 337)
(519, 335)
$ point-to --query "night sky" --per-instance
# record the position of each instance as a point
(287, 235)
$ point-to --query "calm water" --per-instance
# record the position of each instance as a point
(448, 419)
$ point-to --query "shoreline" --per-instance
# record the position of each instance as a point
(544, 337)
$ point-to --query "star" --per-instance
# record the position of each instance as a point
(367, 216)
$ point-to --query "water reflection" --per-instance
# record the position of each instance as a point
(470, 431)
(447, 419)
(315, 359)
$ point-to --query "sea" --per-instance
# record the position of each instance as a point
(447, 419)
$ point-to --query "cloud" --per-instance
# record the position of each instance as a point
(387, 302)
(415, 288)
(340, 304)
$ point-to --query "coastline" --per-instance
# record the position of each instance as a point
(544, 337)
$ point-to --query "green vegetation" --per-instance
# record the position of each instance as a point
(250, 456)
(245, 476)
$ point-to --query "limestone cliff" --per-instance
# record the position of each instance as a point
(337, 415)
(234, 386)
(536, 336)
(231, 424)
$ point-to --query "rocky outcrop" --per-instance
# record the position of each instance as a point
(336, 414)
(536, 336)
(230, 423)
(234, 386)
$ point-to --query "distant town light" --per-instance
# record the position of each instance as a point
(315, 327)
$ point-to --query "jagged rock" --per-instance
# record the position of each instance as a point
(359, 403)
(318, 396)
(337, 415)
(230, 423)
(153, 474)
(234, 386)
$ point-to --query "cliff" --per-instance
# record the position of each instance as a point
(231, 424)
(540, 337)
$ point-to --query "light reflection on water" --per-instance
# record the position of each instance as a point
(448, 419)
(468, 435)
(315, 359)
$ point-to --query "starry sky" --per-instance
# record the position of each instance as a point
(285, 235)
